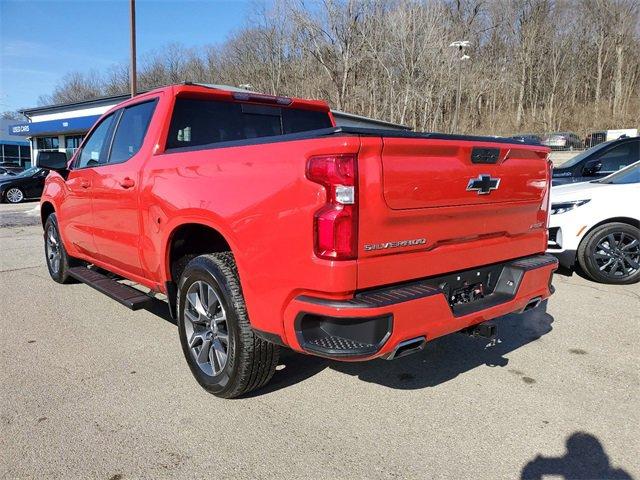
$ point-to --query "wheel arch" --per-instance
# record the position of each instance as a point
(192, 239)
(634, 222)
(185, 241)
(46, 209)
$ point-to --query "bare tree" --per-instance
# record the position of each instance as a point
(536, 65)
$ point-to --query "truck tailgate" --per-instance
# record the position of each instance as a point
(436, 173)
(433, 206)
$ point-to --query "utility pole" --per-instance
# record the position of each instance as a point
(460, 45)
(132, 28)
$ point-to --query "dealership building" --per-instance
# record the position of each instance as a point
(62, 127)
(14, 149)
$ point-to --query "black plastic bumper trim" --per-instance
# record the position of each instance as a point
(349, 337)
(380, 297)
(506, 288)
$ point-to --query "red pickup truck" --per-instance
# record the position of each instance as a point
(265, 225)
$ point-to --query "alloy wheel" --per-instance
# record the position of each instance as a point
(15, 195)
(617, 255)
(54, 256)
(206, 328)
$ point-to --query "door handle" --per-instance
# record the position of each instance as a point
(127, 182)
(84, 183)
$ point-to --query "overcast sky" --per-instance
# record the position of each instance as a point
(41, 41)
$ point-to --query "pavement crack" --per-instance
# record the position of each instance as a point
(18, 269)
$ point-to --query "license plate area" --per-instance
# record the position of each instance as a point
(469, 286)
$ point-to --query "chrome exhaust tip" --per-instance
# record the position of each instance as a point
(533, 303)
(407, 348)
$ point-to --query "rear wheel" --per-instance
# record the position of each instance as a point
(58, 261)
(224, 355)
(611, 254)
(14, 195)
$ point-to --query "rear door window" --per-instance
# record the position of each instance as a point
(131, 131)
(202, 122)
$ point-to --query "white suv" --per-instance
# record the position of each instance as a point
(597, 224)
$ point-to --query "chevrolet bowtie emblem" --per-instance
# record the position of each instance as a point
(483, 184)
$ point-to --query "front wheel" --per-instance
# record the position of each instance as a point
(58, 261)
(611, 254)
(14, 195)
(224, 355)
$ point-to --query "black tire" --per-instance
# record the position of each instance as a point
(60, 273)
(250, 361)
(594, 254)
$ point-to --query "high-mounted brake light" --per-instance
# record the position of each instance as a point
(336, 223)
(262, 98)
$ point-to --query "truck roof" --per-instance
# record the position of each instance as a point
(226, 92)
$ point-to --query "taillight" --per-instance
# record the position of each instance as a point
(336, 223)
(547, 200)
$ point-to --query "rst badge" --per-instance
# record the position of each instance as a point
(368, 247)
(483, 184)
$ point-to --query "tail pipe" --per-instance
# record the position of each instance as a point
(407, 348)
(533, 303)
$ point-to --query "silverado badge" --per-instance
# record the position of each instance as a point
(402, 243)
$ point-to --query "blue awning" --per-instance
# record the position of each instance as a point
(54, 127)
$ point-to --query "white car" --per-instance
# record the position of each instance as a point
(597, 225)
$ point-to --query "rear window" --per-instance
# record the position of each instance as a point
(131, 130)
(201, 122)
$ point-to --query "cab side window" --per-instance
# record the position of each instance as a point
(619, 157)
(130, 131)
(96, 148)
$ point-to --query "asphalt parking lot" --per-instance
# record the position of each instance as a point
(89, 389)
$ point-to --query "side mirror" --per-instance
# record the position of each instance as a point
(591, 168)
(52, 160)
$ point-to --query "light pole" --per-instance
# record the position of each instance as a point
(460, 45)
(132, 28)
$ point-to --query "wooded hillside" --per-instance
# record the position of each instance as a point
(534, 66)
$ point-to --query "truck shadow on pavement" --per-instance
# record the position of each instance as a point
(159, 309)
(585, 458)
(442, 360)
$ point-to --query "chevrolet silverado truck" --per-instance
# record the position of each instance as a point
(265, 225)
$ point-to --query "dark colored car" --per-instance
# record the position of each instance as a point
(528, 139)
(562, 141)
(23, 186)
(599, 161)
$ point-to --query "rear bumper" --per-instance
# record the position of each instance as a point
(375, 322)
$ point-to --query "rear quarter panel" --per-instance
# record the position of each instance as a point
(258, 198)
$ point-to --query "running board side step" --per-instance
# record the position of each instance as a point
(124, 294)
